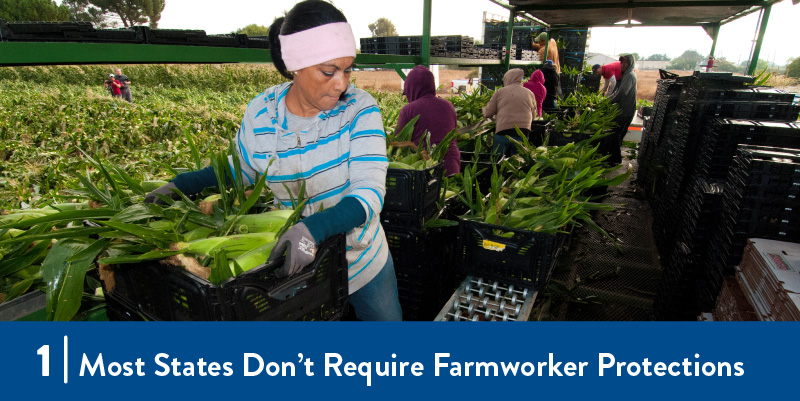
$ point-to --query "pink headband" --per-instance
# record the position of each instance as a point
(317, 45)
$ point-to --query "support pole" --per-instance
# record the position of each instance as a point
(511, 15)
(426, 33)
(763, 29)
(713, 31)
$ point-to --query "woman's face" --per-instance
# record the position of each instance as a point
(322, 84)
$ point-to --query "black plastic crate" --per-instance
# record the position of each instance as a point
(154, 292)
(411, 195)
(525, 258)
(539, 131)
(423, 264)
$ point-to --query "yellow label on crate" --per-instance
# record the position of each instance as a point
(493, 246)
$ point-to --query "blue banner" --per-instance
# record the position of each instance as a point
(423, 360)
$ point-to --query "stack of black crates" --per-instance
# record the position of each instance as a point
(572, 56)
(693, 181)
(86, 32)
(422, 256)
(441, 46)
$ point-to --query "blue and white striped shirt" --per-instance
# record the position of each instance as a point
(339, 153)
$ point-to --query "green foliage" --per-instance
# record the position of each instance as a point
(793, 68)
(382, 27)
(47, 112)
(658, 57)
(133, 12)
(83, 10)
(254, 30)
(33, 10)
(723, 65)
(687, 61)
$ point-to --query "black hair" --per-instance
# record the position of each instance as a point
(304, 15)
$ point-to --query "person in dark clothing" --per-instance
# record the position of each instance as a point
(436, 115)
(126, 85)
(552, 83)
(624, 97)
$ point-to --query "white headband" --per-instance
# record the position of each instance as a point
(317, 45)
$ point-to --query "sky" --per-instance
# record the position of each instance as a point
(464, 17)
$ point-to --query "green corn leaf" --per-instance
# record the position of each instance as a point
(135, 213)
(18, 289)
(198, 163)
(152, 255)
(12, 265)
(73, 232)
(56, 270)
(158, 238)
(64, 217)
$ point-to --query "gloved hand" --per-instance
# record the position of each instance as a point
(300, 250)
(165, 190)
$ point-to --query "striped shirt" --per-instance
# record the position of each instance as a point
(339, 153)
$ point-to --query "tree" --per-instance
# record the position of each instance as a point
(382, 27)
(723, 65)
(761, 65)
(687, 61)
(793, 68)
(33, 10)
(133, 12)
(82, 10)
(254, 30)
(635, 55)
(658, 57)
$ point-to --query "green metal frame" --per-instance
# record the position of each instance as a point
(761, 31)
(38, 53)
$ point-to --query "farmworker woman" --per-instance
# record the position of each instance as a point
(436, 115)
(536, 85)
(514, 106)
(552, 50)
(321, 130)
(624, 97)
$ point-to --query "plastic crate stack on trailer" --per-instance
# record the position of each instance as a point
(422, 255)
(85, 32)
(685, 168)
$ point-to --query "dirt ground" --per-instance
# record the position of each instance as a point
(389, 80)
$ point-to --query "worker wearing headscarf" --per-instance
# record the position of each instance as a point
(624, 97)
(514, 107)
(536, 85)
(436, 115)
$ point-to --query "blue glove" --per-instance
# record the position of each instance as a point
(300, 248)
(166, 190)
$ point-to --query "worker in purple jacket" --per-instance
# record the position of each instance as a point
(436, 115)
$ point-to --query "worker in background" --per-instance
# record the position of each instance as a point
(126, 85)
(317, 131)
(611, 74)
(624, 97)
(536, 85)
(436, 115)
(552, 84)
(552, 50)
(114, 86)
(470, 87)
(514, 107)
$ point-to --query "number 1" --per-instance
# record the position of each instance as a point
(44, 351)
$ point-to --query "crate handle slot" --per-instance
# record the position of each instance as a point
(290, 288)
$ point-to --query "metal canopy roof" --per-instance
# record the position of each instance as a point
(593, 13)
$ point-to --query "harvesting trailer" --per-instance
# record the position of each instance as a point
(80, 43)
